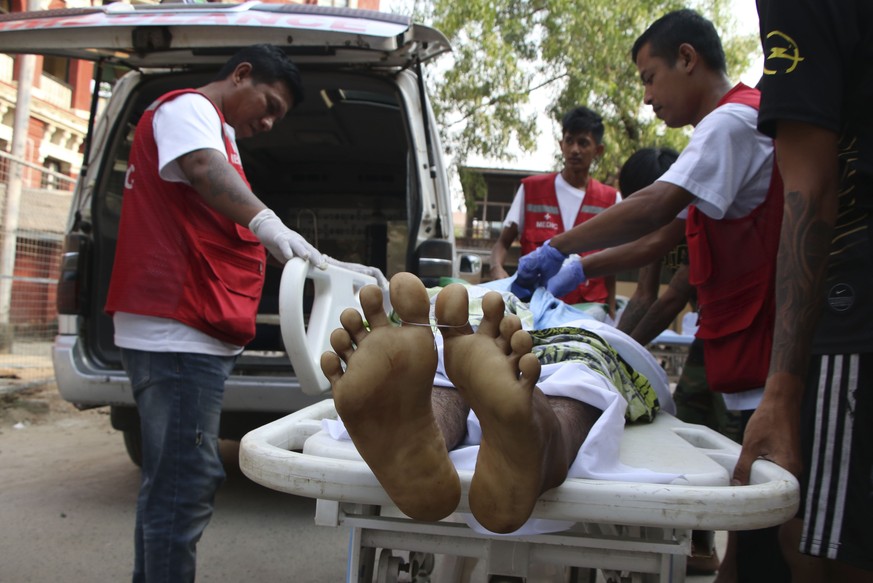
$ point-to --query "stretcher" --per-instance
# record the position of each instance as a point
(630, 531)
(671, 349)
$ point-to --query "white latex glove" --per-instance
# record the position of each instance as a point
(282, 242)
(381, 280)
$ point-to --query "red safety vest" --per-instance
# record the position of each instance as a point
(542, 221)
(176, 257)
(732, 262)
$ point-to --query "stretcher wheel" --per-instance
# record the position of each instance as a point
(421, 566)
(389, 567)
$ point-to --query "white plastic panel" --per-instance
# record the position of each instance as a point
(335, 290)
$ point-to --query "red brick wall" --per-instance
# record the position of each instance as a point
(33, 302)
(81, 74)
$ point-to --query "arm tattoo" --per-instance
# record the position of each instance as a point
(801, 265)
(221, 181)
(215, 179)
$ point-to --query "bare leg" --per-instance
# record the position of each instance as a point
(528, 440)
(804, 568)
(810, 569)
(727, 569)
(384, 399)
(450, 411)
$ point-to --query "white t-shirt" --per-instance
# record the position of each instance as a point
(569, 200)
(727, 166)
(187, 123)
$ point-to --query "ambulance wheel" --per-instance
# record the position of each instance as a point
(133, 445)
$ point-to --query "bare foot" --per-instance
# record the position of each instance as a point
(523, 451)
(384, 399)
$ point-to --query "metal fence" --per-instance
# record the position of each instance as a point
(31, 323)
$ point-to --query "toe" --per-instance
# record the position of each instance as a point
(371, 303)
(529, 367)
(453, 310)
(352, 325)
(522, 343)
(508, 327)
(341, 343)
(492, 314)
(409, 299)
(331, 367)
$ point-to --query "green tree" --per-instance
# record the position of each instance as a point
(514, 59)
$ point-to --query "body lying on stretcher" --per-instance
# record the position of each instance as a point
(525, 395)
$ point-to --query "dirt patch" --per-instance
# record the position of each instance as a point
(38, 405)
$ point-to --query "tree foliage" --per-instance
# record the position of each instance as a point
(516, 59)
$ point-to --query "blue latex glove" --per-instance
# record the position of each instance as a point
(567, 279)
(525, 280)
(535, 269)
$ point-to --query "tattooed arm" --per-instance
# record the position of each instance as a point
(807, 158)
(220, 185)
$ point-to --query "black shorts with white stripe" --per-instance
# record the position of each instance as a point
(837, 441)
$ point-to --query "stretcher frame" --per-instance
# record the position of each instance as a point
(671, 350)
(631, 531)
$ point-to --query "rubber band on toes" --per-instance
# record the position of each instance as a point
(433, 324)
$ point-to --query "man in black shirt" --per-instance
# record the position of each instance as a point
(816, 416)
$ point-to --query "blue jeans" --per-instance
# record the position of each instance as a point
(179, 400)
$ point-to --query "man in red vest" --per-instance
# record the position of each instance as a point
(725, 186)
(548, 204)
(185, 287)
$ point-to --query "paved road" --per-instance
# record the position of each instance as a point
(67, 496)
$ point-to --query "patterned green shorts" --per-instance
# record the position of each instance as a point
(569, 344)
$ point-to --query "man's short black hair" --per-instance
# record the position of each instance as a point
(269, 64)
(644, 167)
(582, 119)
(683, 26)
